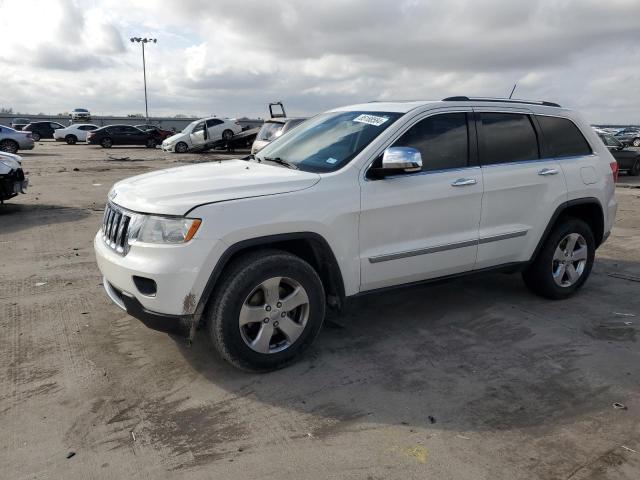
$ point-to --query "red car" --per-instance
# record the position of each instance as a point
(163, 134)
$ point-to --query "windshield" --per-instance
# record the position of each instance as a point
(270, 131)
(328, 141)
(189, 127)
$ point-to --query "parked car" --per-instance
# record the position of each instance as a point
(19, 123)
(11, 140)
(202, 134)
(162, 134)
(628, 158)
(12, 178)
(272, 129)
(629, 136)
(41, 130)
(122, 135)
(355, 200)
(80, 115)
(74, 133)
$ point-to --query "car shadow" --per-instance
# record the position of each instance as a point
(15, 217)
(471, 354)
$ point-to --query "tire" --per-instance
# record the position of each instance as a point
(227, 135)
(636, 142)
(634, 171)
(71, 139)
(9, 146)
(246, 289)
(36, 136)
(181, 147)
(547, 276)
(106, 142)
(151, 143)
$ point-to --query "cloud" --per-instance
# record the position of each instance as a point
(232, 60)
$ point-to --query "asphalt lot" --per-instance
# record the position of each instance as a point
(470, 379)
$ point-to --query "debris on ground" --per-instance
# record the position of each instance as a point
(618, 314)
(39, 284)
(71, 454)
(619, 406)
(625, 276)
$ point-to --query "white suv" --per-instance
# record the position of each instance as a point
(357, 199)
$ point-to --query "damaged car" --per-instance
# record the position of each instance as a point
(12, 178)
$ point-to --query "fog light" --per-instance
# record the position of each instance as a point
(145, 286)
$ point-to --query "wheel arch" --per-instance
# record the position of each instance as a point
(588, 210)
(310, 246)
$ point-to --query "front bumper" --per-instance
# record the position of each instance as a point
(180, 273)
(176, 324)
(168, 148)
(13, 184)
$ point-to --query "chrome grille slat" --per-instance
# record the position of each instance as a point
(115, 228)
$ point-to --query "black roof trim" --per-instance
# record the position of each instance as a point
(498, 100)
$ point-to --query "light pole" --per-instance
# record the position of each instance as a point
(144, 69)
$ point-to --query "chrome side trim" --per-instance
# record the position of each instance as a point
(442, 248)
(503, 236)
(422, 251)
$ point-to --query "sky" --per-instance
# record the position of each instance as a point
(231, 58)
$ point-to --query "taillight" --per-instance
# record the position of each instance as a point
(615, 169)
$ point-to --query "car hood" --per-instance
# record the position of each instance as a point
(175, 191)
(11, 157)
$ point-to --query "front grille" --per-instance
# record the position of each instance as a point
(115, 226)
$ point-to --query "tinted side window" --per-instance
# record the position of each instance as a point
(442, 140)
(507, 137)
(212, 122)
(562, 138)
(198, 128)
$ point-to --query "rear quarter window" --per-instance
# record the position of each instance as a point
(562, 138)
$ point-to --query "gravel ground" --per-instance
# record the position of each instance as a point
(470, 379)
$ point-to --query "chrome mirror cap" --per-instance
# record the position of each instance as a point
(402, 158)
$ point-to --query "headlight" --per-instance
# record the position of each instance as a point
(153, 229)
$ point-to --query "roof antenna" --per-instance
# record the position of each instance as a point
(513, 90)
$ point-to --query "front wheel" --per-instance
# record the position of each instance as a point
(636, 142)
(181, 147)
(564, 262)
(106, 143)
(267, 309)
(151, 143)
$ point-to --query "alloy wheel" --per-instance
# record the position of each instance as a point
(274, 315)
(569, 260)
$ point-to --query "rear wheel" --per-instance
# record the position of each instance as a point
(227, 135)
(564, 262)
(634, 171)
(181, 147)
(636, 142)
(268, 308)
(71, 139)
(9, 146)
(106, 142)
(35, 136)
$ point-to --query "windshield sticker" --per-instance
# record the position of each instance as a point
(370, 119)
(332, 160)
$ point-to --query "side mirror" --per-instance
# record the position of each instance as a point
(398, 160)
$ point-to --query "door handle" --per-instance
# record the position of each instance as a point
(548, 171)
(463, 182)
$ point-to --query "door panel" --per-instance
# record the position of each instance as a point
(197, 135)
(423, 225)
(416, 227)
(521, 190)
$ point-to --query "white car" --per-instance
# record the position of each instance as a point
(80, 114)
(202, 134)
(74, 133)
(355, 200)
(12, 178)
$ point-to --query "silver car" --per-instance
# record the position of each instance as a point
(12, 140)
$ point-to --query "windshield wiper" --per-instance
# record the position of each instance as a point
(281, 161)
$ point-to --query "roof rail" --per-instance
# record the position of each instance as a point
(498, 100)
